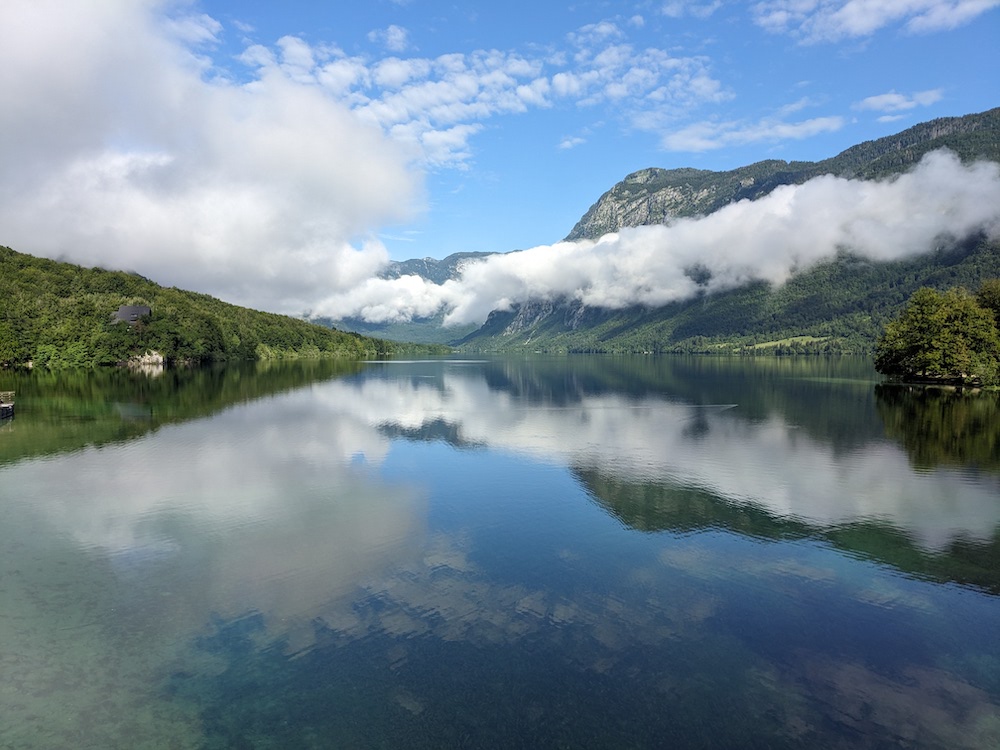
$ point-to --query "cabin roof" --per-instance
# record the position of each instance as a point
(131, 313)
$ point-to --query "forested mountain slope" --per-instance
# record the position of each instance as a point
(838, 306)
(61, 315)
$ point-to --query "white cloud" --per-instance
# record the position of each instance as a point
(193, 29)
(832, 20)
(393, 73)
(648, 87)
(395, 38)
(422, 100)
(706, 136)
(571, 142)
(894, 102)
(119, 151)
(942, 16)
(257, 191)
(794, 227)
(297, 60)
(797, 106)
(595, 33)
(341, 76)
(449, 147)
(681, 8)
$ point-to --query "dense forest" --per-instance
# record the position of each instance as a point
(56, 315)
(840, 306)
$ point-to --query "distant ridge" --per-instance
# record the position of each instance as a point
(655, 196)
(837, 306)
(438, 271)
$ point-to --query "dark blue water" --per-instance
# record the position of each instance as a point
(576, 552)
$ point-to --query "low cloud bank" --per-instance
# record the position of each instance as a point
(124, 147)
(791, 229)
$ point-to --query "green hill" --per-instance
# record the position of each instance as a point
(62, 315)
(839, 306)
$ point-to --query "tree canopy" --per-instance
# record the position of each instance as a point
(942, 336)
(61, 315)
(988, 296)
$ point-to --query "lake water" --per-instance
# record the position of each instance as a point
(568, 552)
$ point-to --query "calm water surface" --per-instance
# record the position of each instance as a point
(576, 552)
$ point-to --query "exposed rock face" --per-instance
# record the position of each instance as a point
(437, 271)
(528, 315)
(658, 196)
(571, 315)
(150, 363)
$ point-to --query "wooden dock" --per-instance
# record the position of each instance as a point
(6, 404)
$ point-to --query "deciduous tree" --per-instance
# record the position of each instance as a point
(944, 336)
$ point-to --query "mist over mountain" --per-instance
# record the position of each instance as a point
(658, 196)
(429, 330)
(662, 240)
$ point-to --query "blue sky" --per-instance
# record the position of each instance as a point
(743, 83)
(269, 153)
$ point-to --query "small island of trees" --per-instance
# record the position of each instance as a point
(950, 337)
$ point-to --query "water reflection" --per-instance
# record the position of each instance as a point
(943, 427)
(445, 554)
(67, 410)
(771, 455)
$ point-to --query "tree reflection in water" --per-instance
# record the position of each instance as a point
(943, 426)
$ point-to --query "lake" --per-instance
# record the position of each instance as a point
(492, 553)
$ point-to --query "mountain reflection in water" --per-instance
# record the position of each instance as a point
(588, 552)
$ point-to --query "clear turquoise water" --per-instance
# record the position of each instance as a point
(577, 552)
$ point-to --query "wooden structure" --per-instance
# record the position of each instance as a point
(6, 404)
(131, 314)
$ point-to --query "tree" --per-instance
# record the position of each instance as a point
(941, 336)
(988, 296)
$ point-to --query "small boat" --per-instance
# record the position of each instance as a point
(6, 404)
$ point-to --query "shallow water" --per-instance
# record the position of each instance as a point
(575, 552)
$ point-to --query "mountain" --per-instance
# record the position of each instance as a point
(62, 315)
(438, 271)
(835, 307)
(839, 305)
(426, 330)
(655, 196)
